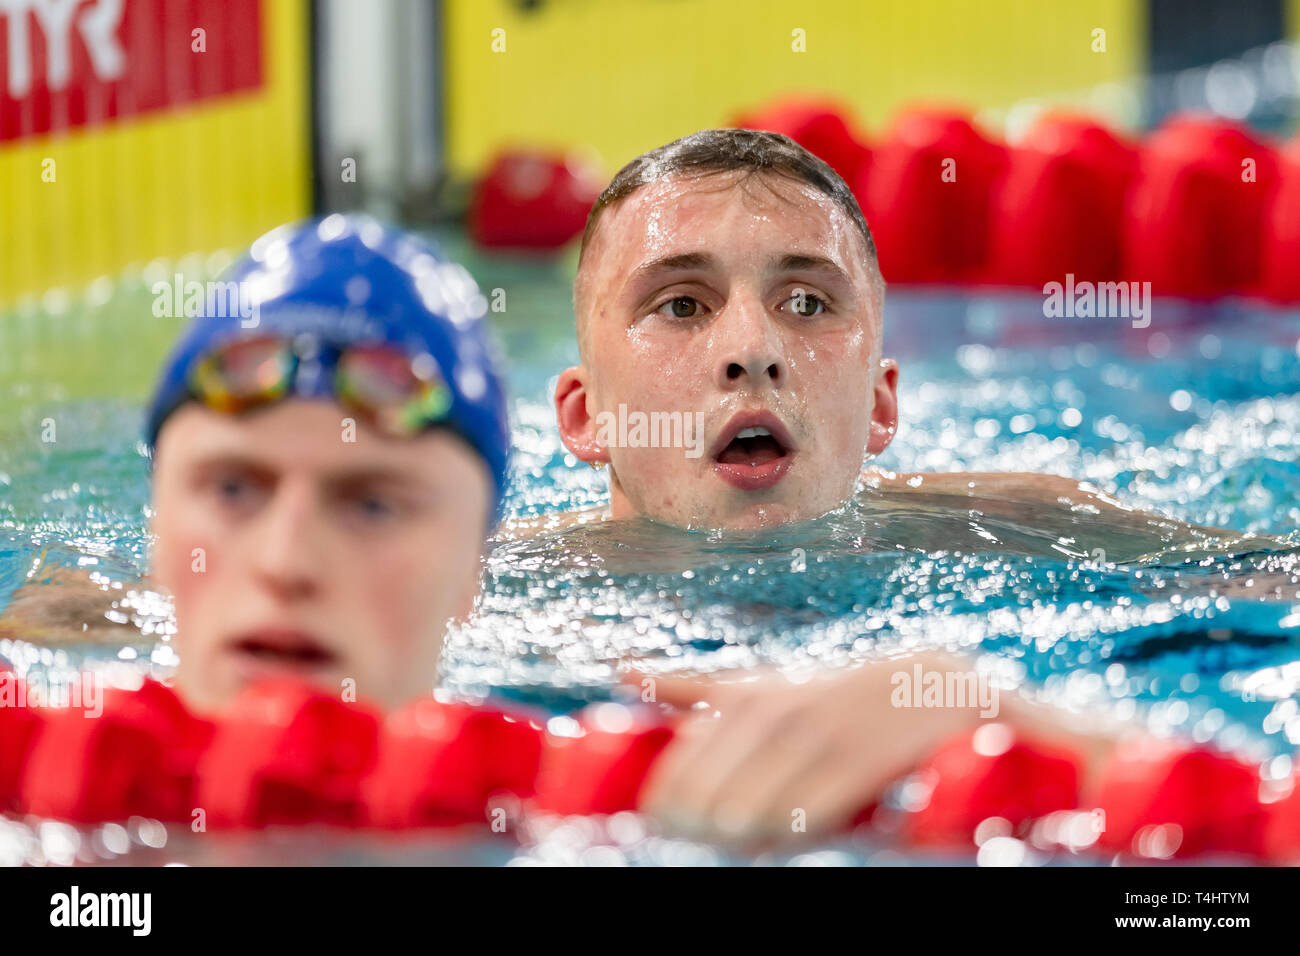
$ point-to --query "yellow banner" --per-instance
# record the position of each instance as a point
(627, 75)
(101, 199)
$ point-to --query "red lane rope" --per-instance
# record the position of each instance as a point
(1200, 208)
(287, 754)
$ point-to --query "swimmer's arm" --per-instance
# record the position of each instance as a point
(1023, 487)
(65, 606)
(1029, 488)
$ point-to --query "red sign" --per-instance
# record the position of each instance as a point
(71, 63)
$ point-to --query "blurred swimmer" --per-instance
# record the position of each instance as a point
(325, 476)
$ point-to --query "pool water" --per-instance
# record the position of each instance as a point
(1196, 418)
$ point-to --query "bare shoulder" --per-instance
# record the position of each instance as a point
(518, 529)
(1013, 485)
(1014, 488)
(65, 606)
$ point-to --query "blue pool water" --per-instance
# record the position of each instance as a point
(1196, 417)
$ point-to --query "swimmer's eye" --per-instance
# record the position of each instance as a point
(374, 508)
(374, 504)
(681, 307)
(806, 304)
(234, 490)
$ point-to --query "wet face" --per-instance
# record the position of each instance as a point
(291, 550)
(748, 307)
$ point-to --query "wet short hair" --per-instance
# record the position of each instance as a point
(747, 151)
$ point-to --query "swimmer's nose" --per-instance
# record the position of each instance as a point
(287, 561)
(751, 352)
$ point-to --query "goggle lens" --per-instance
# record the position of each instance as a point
(396, 393)
(400, 395)
(244, 374)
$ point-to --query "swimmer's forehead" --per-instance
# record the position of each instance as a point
(302, 436)
(701, 221)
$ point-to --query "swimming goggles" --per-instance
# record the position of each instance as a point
(398, 393)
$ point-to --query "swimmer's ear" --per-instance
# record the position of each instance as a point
(578, 428)
(884, 416)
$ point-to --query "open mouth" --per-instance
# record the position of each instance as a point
(752, 446)
(282, 650)
(754, 452)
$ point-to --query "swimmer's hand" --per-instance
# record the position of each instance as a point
(772, 760)
(64, 606)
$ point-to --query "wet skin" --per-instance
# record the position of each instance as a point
(290, 550)
(749, 302)
(752, 301)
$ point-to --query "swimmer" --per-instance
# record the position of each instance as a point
(323, 478)
(730, 277)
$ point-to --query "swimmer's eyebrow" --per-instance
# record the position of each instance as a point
(347, 476)
(216, 462)
(675, 263)
(388, 478)
(803, 263)
(790, 262)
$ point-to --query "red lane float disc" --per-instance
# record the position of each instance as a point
(19, 727)
(440, 764)
(1161, 800)
(1281, 267)
(602, 768)
(135, 757)
(532, 200)
(822, 127)
(1281, 837)
(1060, 208)
(1195, 216)
(929, 198)
(991, 773)
(286, 753)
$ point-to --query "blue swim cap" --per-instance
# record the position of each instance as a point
(349, 280)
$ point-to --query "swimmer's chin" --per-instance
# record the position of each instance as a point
(755, 517)
(212, 692)
(738, 511)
